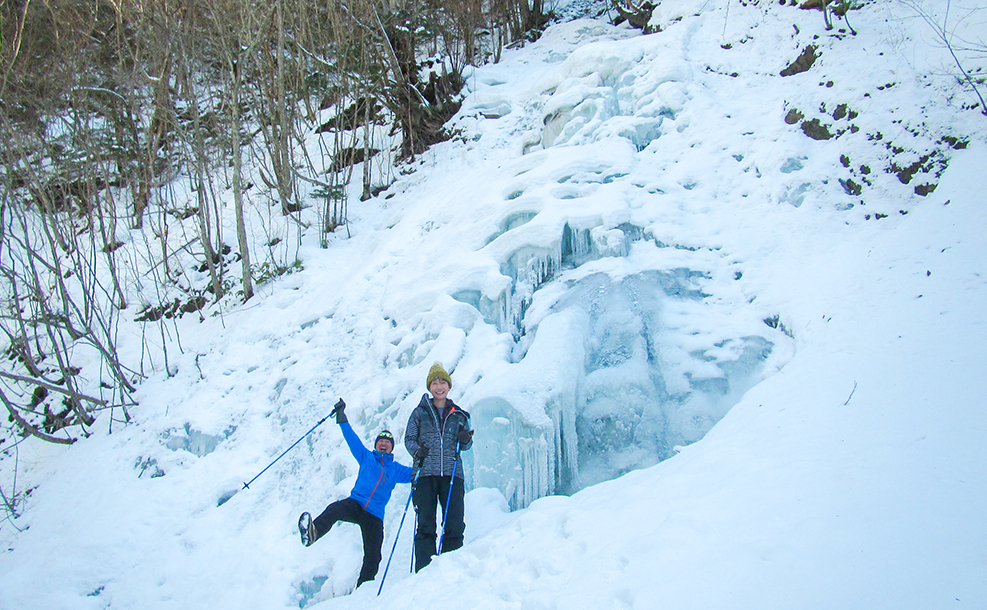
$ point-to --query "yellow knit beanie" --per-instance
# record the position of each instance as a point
(437, 372)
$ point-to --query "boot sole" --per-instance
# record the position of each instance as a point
(304, 525)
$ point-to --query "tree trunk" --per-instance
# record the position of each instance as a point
(241, 224)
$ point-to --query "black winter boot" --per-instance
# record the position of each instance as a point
(307, 529)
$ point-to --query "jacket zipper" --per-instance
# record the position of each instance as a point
(374, 490)
(442, 433)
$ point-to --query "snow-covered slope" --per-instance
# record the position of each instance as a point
(616, 210)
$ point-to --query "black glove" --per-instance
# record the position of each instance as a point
(420, 454)
(465, 436)
(340, 412)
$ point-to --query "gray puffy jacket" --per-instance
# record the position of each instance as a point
(441, 437)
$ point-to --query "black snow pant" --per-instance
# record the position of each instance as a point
(372, 528)
(431, 492)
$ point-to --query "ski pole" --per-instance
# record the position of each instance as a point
(413, 543)
(452, 481)
(398, 535)
(338, 405)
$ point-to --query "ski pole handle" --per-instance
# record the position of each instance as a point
(339, 405)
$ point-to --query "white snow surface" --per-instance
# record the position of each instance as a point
(851, 474)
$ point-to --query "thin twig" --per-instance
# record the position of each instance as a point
(942, 32)
(28, 427)
(52, 387)
(851, 394)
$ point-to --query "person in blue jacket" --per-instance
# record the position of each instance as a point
(378, 475)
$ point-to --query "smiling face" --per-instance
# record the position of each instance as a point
(439, 388)
(384, 446)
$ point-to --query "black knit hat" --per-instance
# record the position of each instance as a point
(387, 436)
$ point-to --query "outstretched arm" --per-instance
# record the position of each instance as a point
(402, 473)
(353, 441)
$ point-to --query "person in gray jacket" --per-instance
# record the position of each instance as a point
(437, 431)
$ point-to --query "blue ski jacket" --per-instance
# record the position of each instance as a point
(378, 475)
(440, 433)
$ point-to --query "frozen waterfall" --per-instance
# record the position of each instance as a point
(612, 370)
(622, 336)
